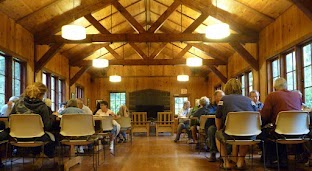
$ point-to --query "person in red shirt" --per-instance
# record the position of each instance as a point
(280, 100)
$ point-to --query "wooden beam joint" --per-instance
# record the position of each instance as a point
(47, 56)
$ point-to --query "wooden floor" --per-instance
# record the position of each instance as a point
(150, 153)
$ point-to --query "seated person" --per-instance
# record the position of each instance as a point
(4, 135)
(203, 110)
(48, 102)
(183, 123)
(280, 100)
(210, 126)
(105, 111)
(72, 107)
(123, 112)
(31, 102)
(85, 108)
(254, 96)
(233, 101)
(63, 106)
(7, 108)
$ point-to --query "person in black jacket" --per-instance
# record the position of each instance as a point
(31, 102)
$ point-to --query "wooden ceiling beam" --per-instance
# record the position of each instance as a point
(271, 19)
(131, 20)
(150, 37)
(158, 50)
(304, 5)
(245, 55)
(154, 62)
(138, 51)
(96, 24)
(78, 75)
(196, 23)
(235, 22)
(54, 25)
(113, 52)
(209, 50)
(160, 21)
(85, 52)
(47, 56)
(183, 51)
(218, 73)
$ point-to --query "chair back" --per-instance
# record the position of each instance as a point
(26, 126)
(139, 118)
(77, 125)
(292, 123)
(244, 123)
(165, 118)
(107, 123)
(124, 122)
(202, 121)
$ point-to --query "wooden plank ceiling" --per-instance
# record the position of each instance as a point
(164, 30)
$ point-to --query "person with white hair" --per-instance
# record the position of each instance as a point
(280, 100)
(203, 110)
(7, 108)
(83, 107)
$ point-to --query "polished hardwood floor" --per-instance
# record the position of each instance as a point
(149, 153)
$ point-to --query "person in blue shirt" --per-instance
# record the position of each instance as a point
(254, 96)
(72, 107)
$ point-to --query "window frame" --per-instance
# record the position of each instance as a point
(174, 101)
(110, 100)
(245, 75)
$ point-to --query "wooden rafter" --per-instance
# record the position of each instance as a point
(160, 21)
(134, 23)
(304, 5)
(209, 50)
(54, 25)
(235, 23)
(151, 37)
(85, 52)
(196, 23)
(113, 52)
(47, 56)
(158, 50)
(138, 51)
(78, 74)
(217, 73)
(155, 62)
(96, 24)
(271, 19)
(245, 55)
(183, 51)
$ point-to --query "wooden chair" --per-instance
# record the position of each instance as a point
(140, 123)
(164, 122)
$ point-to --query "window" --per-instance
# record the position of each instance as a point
(246, 80)
(291, 71)
(178, 103)
(274, 72)
(16, 78)
(307, 74)
(79, 92)
(2, 81)
(116, 100)
(56, 90)
(12, 77)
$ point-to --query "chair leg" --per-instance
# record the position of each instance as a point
(277, 156)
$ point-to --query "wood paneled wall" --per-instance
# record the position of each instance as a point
(291, 28)
(17, 42)
(196, 87)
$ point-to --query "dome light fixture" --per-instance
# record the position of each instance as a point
(183, 78)
(114, 78)
(73, 32)
(100, 63)
(194, 62)
(218, 31)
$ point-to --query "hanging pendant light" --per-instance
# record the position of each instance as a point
(100, 63)
(219, 30)
(114, 78)
(183, 78)
(194, 62)
(73, 31)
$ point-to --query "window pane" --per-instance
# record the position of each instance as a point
(17, 88)
(275, 68)
(2, 65)
(179, 103)
(2, 100)
(308, 96)
(307, 76)
(307, 57)
(17, 70)
(290, 81)
(44, 78)
(289, 62)
(2, 84)
(116, 100)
